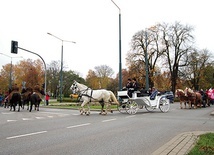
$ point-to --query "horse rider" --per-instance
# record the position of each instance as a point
(37, 90)
(15, 89)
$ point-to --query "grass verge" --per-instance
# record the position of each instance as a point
(77, 106)
(204, 146)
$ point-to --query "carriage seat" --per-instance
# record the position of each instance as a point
(135, 94)
(153, 95)
(143, 93)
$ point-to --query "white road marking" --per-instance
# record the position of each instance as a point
(29, 134)
(108, 120)
(39, 117)
(26, 119)
(130, 116)
(63, 115)
(57, 113)
(75, 114)
(50, 116)
(11, 120)
(8, 113)
(80, 125)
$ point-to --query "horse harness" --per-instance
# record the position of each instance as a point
(84, 93)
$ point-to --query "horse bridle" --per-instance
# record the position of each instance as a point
(83, 92)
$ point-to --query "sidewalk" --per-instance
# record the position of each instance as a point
(180, 144)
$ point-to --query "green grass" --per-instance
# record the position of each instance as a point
(76, 106)
(204, 146)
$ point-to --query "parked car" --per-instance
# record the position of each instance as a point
(170, 96)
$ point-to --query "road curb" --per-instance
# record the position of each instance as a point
(180, 144)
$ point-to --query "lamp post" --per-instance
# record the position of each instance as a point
(61, 76)
(11, 65)
(120, 63)
(146, 60)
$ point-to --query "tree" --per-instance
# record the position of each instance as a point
(195, 72)
(142, 43)
(53, 70)
(92, 80)
(5, 77)
(103, 73)
(29, 71)
(177, 42)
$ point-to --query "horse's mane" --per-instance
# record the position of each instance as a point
(180, 90)
(81, 85)
(189, 90)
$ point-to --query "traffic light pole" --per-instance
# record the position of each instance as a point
(15, 47)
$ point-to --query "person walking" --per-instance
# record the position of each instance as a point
(47, 97)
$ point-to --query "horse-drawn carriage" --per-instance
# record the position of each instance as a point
(126, 104)
(150, 102)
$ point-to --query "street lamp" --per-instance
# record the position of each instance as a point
(61, 78)
(120, 63)
(146, 60)
(11, 64)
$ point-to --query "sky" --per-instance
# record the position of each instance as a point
(94, 26)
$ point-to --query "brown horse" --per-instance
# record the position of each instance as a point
(194, 98)
(26, 93)
(179, 93)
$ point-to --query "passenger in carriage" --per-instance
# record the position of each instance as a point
(154, 93)
(129, 87)
(143, 92)
(135, 84)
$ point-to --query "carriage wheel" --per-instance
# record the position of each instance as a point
(132, 107)
(164, 105)
(148, 105)
(122, 108)
(149, 108)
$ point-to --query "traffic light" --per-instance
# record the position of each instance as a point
(14, 47)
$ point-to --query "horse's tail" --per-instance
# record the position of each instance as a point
(113, 97)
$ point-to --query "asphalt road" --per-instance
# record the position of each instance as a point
(62, 132)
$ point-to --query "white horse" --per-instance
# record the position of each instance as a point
(87, 95)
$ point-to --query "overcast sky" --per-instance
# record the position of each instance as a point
(94, 26)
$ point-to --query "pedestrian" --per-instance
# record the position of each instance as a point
(1, 97)
(47, 97)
